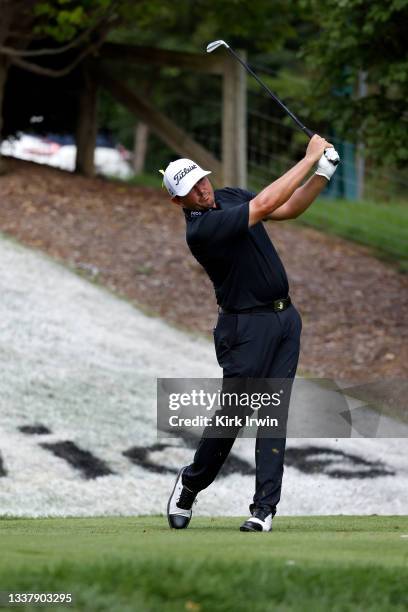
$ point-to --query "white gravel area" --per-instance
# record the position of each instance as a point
(83, 363)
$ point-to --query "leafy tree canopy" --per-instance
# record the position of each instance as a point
(362, 41)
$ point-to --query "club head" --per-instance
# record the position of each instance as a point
(212, 46)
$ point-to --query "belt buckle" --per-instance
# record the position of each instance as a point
(279, 305)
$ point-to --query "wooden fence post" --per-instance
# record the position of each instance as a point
(234, 126)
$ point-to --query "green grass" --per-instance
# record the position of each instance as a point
(146, 179)
(381, 226)
(138, 564)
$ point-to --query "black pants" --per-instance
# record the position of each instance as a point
(255, 345)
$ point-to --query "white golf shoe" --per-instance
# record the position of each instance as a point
(179, 507)
(261, 520)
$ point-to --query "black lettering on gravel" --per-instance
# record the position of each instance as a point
(3, 471)
(89, 465)
(140, 455)
(309, 460)
(334, 463)
(38, 429)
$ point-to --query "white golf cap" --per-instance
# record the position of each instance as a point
(181, 175)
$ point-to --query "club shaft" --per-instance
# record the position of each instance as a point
(308, 132)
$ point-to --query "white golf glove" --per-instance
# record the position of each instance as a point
(328, 163)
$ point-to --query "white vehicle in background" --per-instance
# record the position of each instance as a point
(30, 148)
(109, 161)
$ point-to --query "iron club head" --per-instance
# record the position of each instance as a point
(212, 46)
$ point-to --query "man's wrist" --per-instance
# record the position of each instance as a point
(311, 160)
(324, 178)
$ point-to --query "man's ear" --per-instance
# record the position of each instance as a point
(176, 200)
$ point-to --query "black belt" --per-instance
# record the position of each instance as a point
(275, 306)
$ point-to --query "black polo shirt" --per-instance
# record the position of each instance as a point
(241, 261)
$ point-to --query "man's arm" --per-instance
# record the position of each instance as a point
(300, 200)
(281, 190)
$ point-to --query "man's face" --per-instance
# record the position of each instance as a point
(201, 196)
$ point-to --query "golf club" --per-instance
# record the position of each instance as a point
(212, 46)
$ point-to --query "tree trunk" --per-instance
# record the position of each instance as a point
(4, 64)
(7, 14)
(87, 127)
(140, 147)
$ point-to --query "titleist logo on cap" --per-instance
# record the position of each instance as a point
(182, 173)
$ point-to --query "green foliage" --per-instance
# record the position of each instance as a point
(64, 19)
(355, 38)
(189, 25)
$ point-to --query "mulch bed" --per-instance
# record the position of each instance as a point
(131, 239)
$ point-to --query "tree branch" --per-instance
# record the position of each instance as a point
(12, 52)
(51, 72)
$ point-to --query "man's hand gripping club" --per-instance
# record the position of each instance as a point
(279, 192)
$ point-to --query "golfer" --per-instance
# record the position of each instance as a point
(258, 329)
